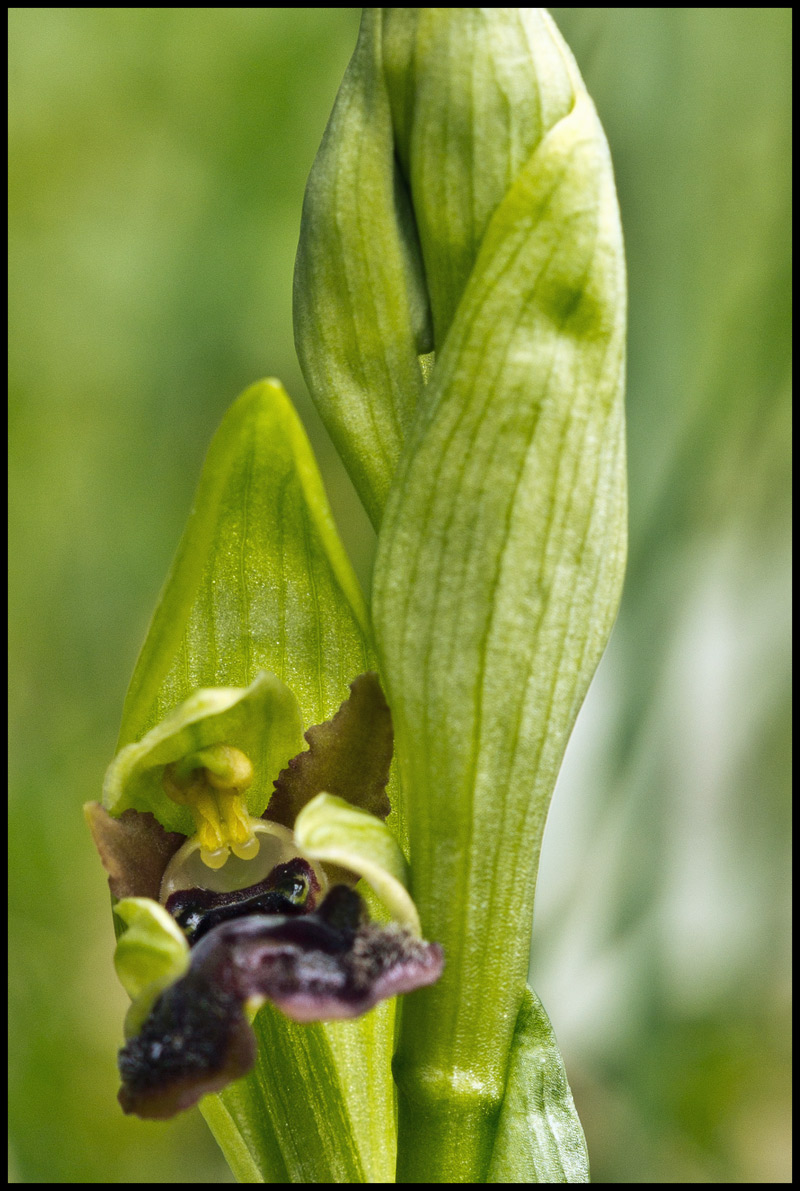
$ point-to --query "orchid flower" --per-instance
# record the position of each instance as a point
(245, 907)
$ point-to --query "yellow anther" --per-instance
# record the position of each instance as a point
(246, 851)
(210, 783)
(214, 859)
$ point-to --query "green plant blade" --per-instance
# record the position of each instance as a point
(244, 1132)
(539, 1137)
(360, 303)
(498, 576)
(473, 91)
(261, 583)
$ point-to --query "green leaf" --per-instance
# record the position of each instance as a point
(320, 1144)
(330, 829)
(261, 582)
(498, 576)
(539, 1137)
(244, 1132)
(262, 720)
(360, 304)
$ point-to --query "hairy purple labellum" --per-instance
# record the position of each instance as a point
(329, 963)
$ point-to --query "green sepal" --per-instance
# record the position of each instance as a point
(151, 954)
(263, 720)
(330, 829)
(539, 1138)
(260, 581)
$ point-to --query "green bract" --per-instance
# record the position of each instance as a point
(260, 581)
(538, 1131)
(501, 491)
(361, 310)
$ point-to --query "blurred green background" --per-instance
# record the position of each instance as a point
(158, 160)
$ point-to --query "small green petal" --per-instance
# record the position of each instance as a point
(330, 829)
(150, 955)
(262, 720)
